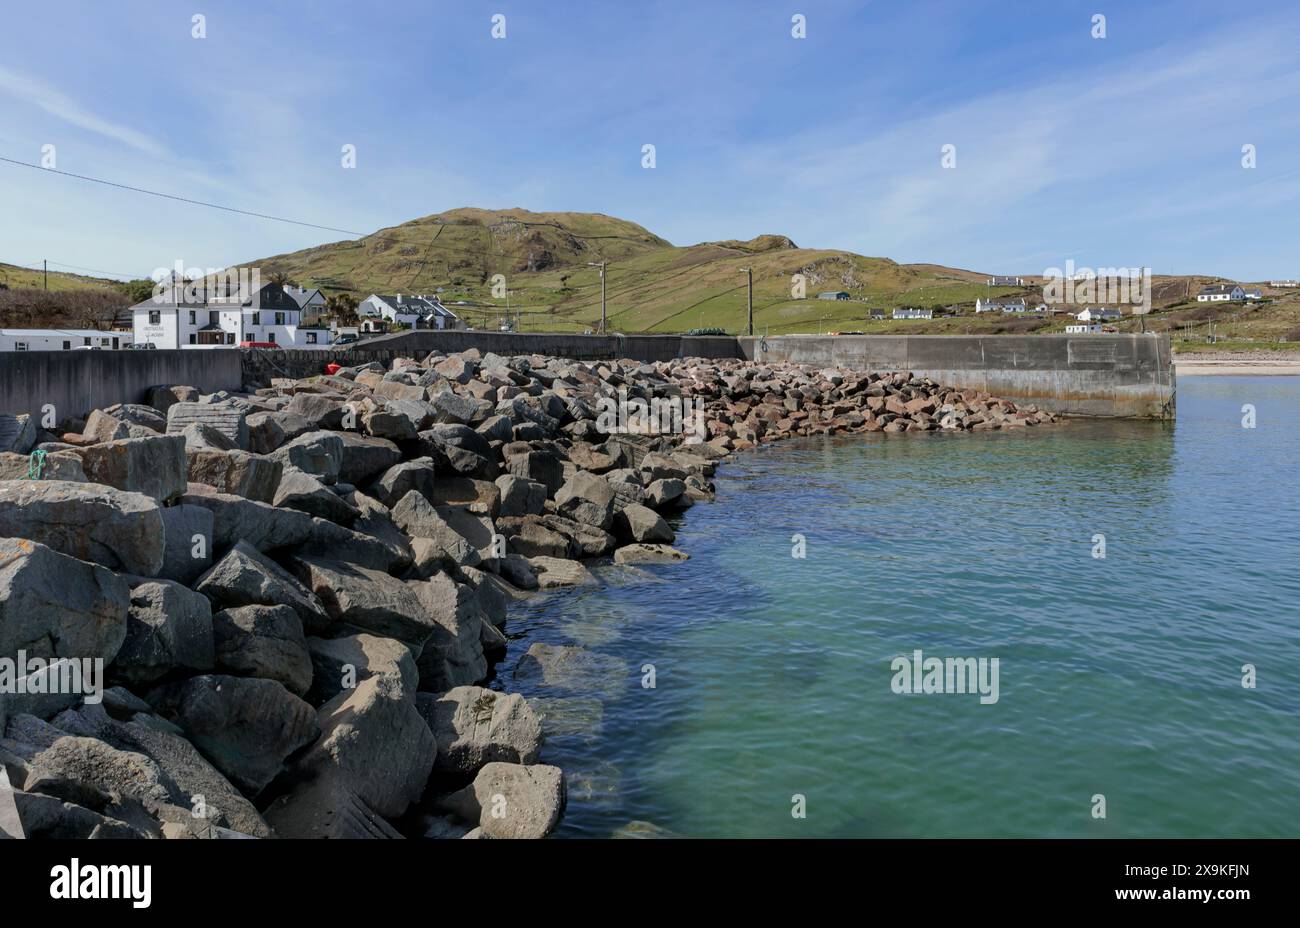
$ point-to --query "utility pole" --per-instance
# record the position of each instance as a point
(46, 264)
(600, 265)
(749, 276)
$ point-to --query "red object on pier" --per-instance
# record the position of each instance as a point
(332, 368)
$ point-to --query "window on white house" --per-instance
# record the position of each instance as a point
(257, 318)
(279, 318)
(311, 338)
(270, 337)
(67, 345)
(155, 316)
(193, 317)
(20, 346)
(193, 339)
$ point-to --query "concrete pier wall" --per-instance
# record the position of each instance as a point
(75, 382)
(1088, 375)
(1080, 375)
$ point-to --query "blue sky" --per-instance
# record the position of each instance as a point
(1119, 151)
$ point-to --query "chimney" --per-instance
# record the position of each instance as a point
(399, 299)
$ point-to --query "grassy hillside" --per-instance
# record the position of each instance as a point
(18, 278)
(655, 286)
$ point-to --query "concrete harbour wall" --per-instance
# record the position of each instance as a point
(1080, 375)
(75, 382)
(1088, 375)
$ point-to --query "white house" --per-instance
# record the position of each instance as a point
(910, 313)
(198, 317)
(1099, 314)
(311, 303)
(61, 339)
(1223, 293)
(416, 311)
(1252, 293)
(1083, 329)
(1017, 305)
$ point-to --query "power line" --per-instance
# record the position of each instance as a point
(180, 199)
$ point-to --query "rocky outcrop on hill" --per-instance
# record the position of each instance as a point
(296, 592)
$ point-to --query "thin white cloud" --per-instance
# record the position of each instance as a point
(61, 106)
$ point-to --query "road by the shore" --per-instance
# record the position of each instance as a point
(1236, 364)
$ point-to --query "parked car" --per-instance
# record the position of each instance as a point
(346, 339)
(87, 348)
(143, 346)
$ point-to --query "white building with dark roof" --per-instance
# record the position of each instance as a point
(415, 310)
(198, 317)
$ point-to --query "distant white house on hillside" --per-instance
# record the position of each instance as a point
(1018, 305)
(913, 313)
(417, 311)
(1098, 314)
(1085, 329)
(1222, 293)
(1006, 282)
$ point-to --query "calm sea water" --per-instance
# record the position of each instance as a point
(1119, 676)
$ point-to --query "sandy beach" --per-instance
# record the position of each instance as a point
(1238, 364)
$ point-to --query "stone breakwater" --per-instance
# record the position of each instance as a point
(298, 590)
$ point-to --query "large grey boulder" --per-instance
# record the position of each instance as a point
(434, 540)
(246, 577)
(164, 398)
(649, 554)
(240, 473)
(17, 433)
(555, 572)
(263, 641)
(453, 653)
(245, 726)
(187, 542)
(521, 496)
(531, 537)
(317, 453)
(544, 467)
(641, 523)
(326, 808)
(116, 528)
(261, 525)
(511, 800)
(365, 456)
(367, 599)
(342, 663)
(52, 605)
(100, 426)
(586, 498)
(375, 742)
(137, 414)
(168, 629)
(323, 412)
(400, 479)
(186, 771)
(229, 419)
(304, 492)
(55, 465)
(265, 433)
(475, 726)
(153, 466)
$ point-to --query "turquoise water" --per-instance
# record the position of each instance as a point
(1118, 676)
